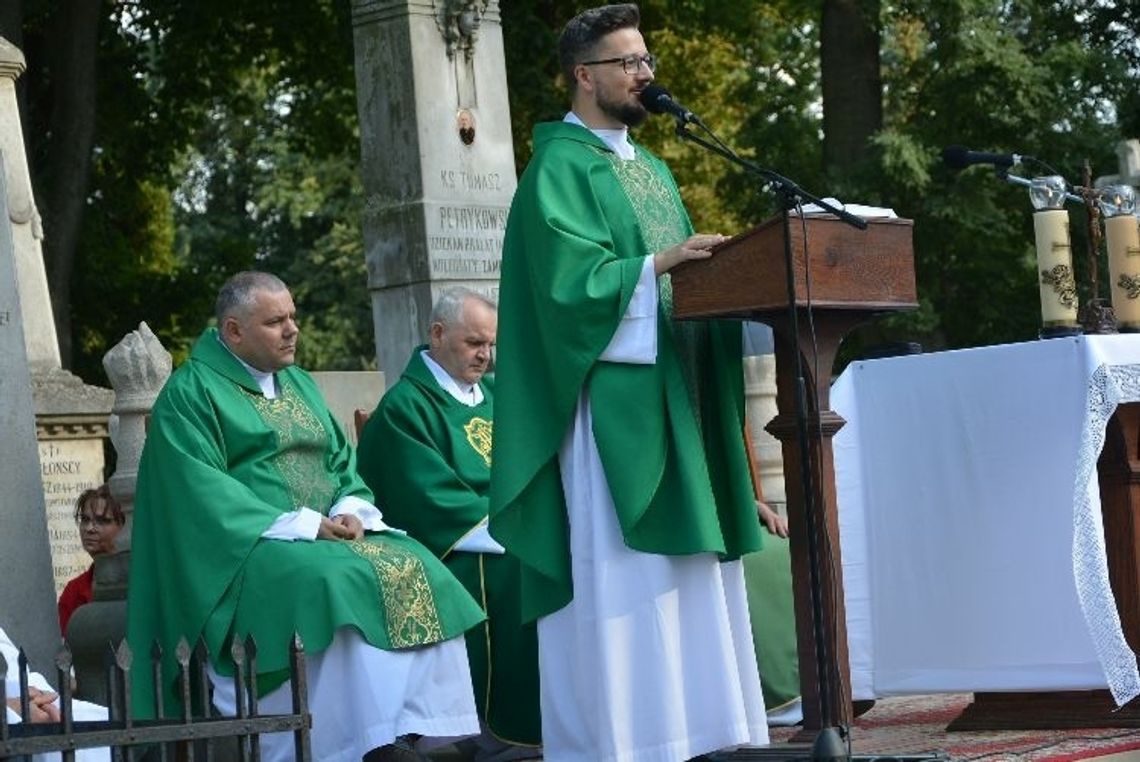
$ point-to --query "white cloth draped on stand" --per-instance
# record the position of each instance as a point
(973, 546)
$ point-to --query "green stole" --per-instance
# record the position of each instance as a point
(670, 433)
(220, 464)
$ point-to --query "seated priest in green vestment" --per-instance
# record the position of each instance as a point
(426, 454)
(250, 519)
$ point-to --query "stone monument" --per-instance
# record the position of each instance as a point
(71, 417)
(27, 600)
(138, 366)
(437, 158)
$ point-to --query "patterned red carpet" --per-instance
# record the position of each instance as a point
(917, 724)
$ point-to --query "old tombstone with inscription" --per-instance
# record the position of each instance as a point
(71, 417)
(27, 603)
(437, 158)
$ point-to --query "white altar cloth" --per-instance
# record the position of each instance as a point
(972, 541)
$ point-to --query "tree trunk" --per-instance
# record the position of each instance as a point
(850, 78)
(73, 36)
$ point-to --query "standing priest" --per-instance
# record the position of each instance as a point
(621, 480)
(426, 454)
(250, 518)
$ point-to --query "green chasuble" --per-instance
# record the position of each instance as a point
(220, 464)
(427, 458)
(669, 434)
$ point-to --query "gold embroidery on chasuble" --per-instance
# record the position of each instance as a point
(662, 225)
(478, 432)
(301, 445)
(409, 605)
(655, 207)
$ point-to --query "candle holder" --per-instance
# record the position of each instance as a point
(1057, 283)
(1122, 232)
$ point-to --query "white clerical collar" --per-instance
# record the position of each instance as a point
(264, 380)
(468, 394)
(617, 139)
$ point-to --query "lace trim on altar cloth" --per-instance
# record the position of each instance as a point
(1109, 385)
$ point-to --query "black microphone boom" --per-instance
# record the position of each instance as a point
(658, 100)
(959, 157)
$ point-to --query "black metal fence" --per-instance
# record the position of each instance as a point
(186, 738)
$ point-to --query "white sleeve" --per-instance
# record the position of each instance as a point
(479, 540)
(301, 524)
(368, 514)
(635, 340)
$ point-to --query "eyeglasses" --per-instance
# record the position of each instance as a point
(630, 64)
(102, 521)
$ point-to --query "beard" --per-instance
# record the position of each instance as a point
(629, 113)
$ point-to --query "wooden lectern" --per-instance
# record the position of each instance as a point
(843, 277)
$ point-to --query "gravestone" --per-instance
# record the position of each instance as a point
(27, 600)
(71, 417)
(1128, 159)
(437, 158)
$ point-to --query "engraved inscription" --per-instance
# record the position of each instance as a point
(467, 241)
(5, 318)
(68, 467)
(461, 179)
(472, 218)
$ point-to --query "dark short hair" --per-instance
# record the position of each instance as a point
(100, 494)
(582, 33)
(236, 297)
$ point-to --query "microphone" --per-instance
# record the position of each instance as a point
(959, 157)
(658, 100)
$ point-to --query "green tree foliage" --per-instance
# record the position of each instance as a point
(226, 137)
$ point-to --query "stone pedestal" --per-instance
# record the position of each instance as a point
(437, 158)
(138, 366)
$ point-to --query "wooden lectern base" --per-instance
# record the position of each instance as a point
(1046, 711)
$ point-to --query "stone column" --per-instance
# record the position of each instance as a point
(27, 597)
(437, 158)
(71, 417)
(27, 228)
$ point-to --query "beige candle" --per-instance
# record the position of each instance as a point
(1123, 236)
(1055, 268)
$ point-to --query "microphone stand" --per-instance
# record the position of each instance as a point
(829, 743)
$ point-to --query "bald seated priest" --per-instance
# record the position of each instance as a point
(426, 454)
(250, 519)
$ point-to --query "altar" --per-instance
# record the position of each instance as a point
(970, 518)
